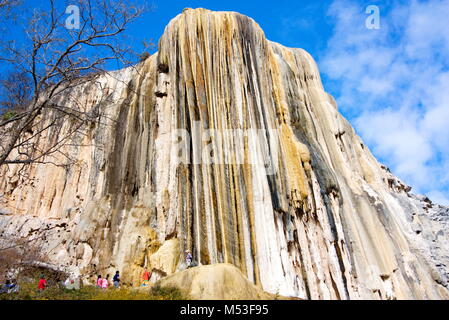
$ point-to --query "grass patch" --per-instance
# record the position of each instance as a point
(167, 293)
(28, 291)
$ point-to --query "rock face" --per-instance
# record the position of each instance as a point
(216, 282)
(226, 144)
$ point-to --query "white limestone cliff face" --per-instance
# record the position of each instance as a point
(304, 210)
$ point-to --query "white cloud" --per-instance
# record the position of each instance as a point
(394, 82)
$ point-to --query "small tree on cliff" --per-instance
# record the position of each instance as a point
(61, 47)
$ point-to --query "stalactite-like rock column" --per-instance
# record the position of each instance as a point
(297, 229)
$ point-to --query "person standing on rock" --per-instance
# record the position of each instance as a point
(189, 259)
(116, 279)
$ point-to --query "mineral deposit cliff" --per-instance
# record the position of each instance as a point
(226, 144)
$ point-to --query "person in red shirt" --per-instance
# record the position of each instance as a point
(145, 277)
(42, 283)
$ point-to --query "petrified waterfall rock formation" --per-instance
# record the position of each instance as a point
(303, 209)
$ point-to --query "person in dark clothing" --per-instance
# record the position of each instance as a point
(14, 287)
(5, 288)
(116, 279)
(189, 259)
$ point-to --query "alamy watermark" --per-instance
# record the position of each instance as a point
(73, 20)
(255, 147)
(373, 20)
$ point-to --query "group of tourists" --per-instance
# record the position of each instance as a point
(11, 286)
(104, 282)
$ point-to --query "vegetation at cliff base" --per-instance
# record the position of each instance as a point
(28, 291)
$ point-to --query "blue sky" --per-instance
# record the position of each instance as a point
(293, 23)
(392, 83)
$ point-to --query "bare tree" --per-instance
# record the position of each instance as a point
(7, 3)
(16, 92)
(21, 254)
(56, 55)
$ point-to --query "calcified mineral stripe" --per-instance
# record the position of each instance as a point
(302, 210)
